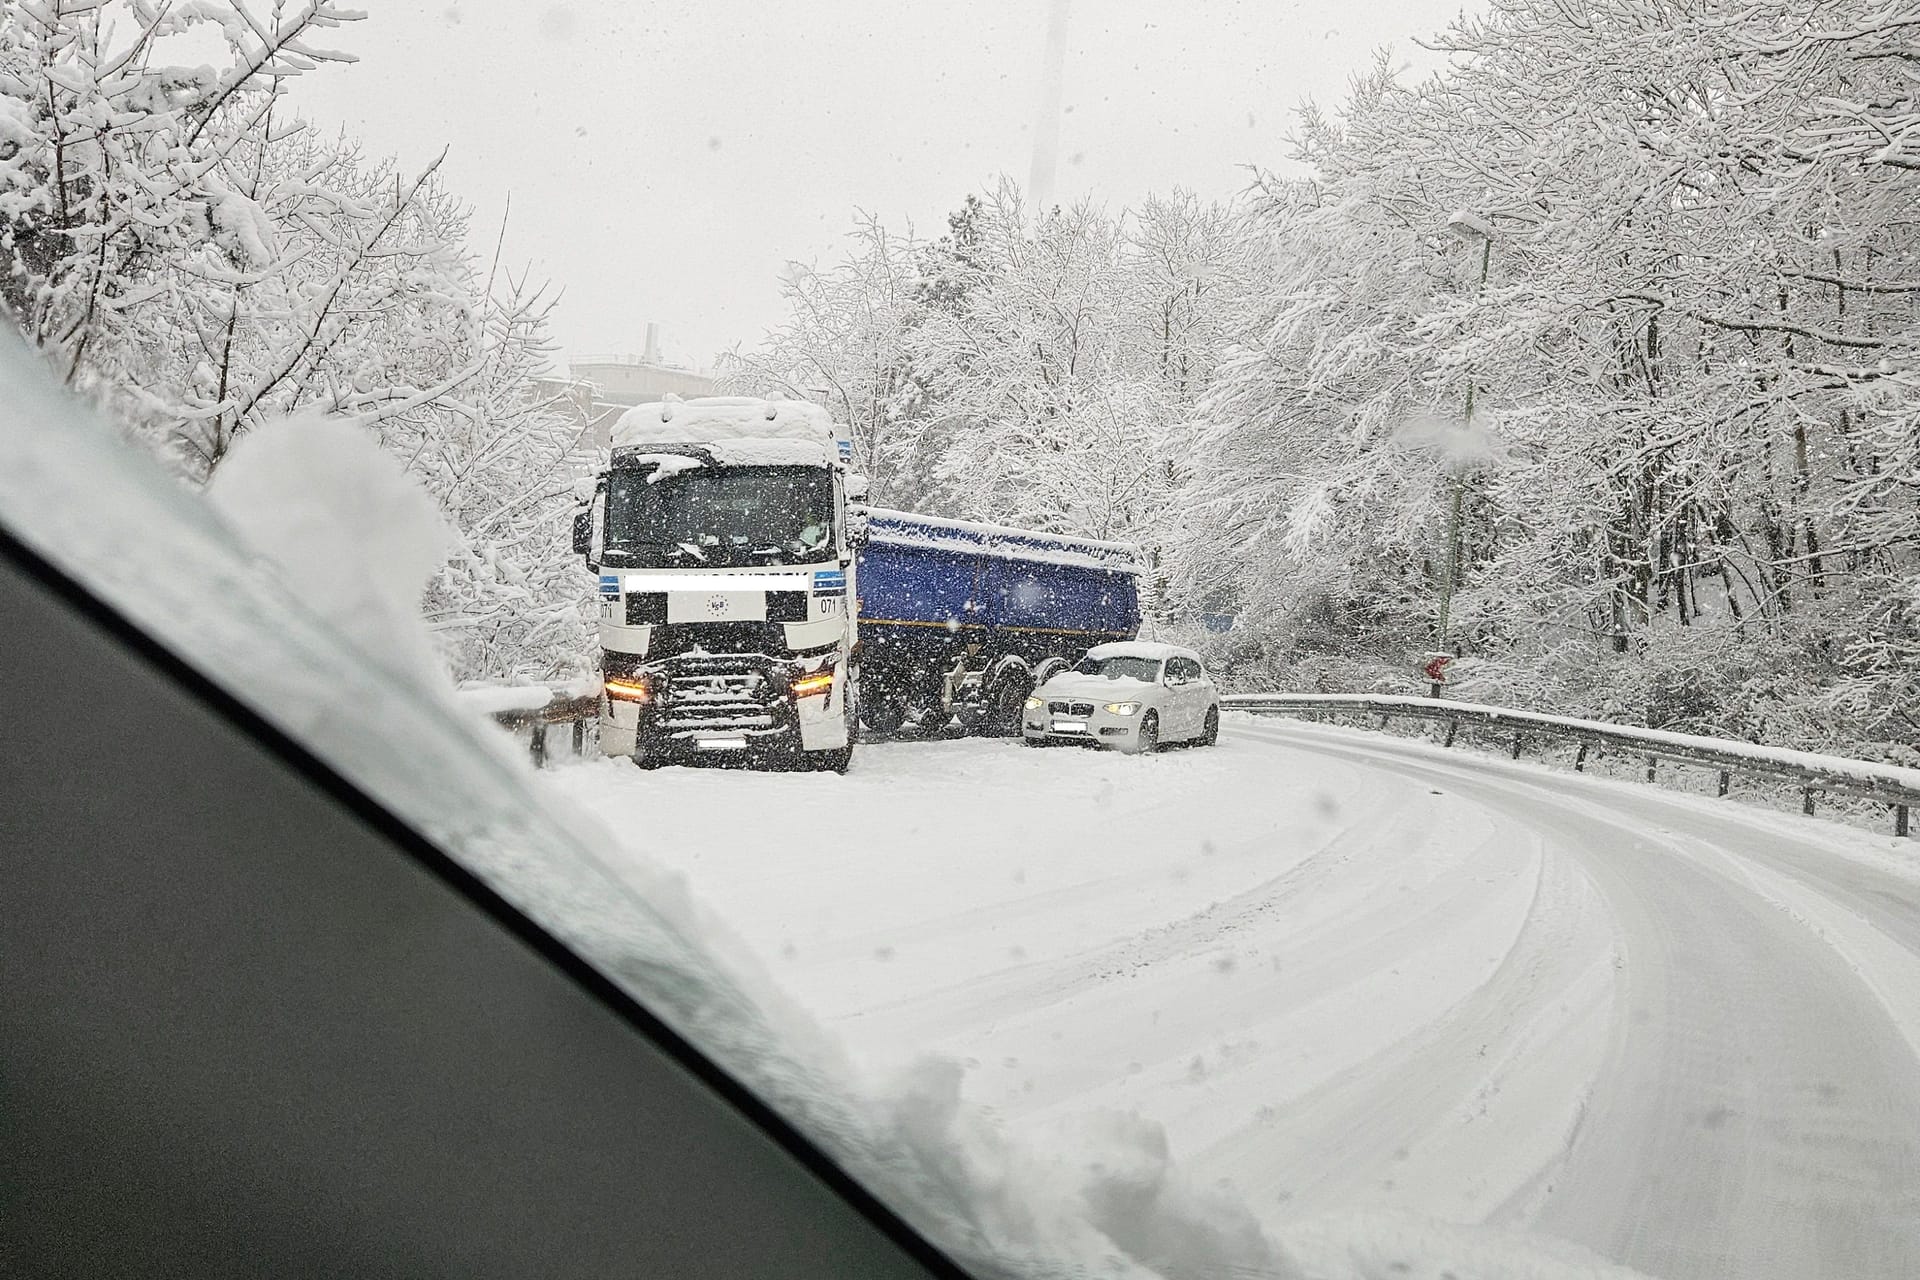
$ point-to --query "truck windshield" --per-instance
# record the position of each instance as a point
(1121, 668)
(718, 516)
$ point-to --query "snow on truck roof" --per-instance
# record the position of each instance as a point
(906, 529)
(717, 418)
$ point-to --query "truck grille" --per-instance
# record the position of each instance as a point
(1071, 708)
(719, 696)
(701, 639)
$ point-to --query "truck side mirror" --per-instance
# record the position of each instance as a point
(583, 531)
(856, 485)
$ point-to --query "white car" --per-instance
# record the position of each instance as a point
(1131, 696)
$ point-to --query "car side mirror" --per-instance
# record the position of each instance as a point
(583, 531)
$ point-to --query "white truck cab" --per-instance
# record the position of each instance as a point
(720, 536)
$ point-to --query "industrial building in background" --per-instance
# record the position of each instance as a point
(616, 383)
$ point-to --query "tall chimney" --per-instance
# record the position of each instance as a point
(652, 354)
(1046, 125)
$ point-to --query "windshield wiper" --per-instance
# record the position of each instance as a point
(687, 549)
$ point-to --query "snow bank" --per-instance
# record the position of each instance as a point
(353, 536)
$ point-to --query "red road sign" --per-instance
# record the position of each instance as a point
(1436, 667)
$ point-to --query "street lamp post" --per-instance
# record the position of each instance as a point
(1471, 228)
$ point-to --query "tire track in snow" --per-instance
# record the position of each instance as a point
(1353, 933)
(1458, 1115)
(929, 1015)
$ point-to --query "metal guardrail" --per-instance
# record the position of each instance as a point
(1891, 785)
(524, 709)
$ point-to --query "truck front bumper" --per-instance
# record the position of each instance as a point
(725, 705)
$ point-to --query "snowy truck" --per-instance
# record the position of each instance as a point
(749, 604)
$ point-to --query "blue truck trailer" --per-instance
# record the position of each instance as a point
(964, 619)
(749, 604)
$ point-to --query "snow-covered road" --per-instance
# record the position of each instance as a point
(1348, 972)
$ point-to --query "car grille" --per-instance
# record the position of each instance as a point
(719, 696)
(1071, 708)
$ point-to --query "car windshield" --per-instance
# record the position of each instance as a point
(1121, 667)
(718, 516)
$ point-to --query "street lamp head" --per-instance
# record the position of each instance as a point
(1469, 225)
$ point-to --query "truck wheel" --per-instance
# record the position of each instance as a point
(1003, 710)
(883, 712)
(835, 760)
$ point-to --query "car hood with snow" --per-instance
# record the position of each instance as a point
(1077, 684)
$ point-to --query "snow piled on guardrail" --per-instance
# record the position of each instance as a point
(1661, 741)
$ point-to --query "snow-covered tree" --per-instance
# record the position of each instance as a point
(845, 343)
(187, 250)
(1035, 371)
(1613, 321)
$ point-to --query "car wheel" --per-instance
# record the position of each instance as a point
(1149, 734)
(1211, 733)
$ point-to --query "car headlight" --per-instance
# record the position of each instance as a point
(1034, 704)
(1123, 708)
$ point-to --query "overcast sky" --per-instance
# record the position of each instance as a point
(666, 158)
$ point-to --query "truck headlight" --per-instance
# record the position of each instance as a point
(806, 686)
(628, 688)
(1034, 704)
(1122, 708)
